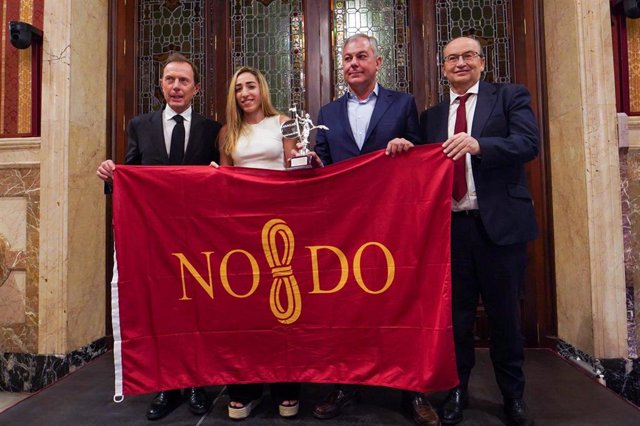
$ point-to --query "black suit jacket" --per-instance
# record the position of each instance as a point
(506, 130)
(394, 116)
(145, 141)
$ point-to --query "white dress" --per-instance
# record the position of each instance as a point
(260, 146)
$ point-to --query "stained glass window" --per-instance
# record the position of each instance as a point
(489, 21)
(167, 26)
(268, 35)
(387, 21)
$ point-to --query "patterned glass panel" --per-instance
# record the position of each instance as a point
(268, 35)
(387, 21)
(167, 26)
(489, 21)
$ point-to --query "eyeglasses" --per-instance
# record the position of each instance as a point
(466, 56)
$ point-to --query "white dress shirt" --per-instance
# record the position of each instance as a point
(360, 112)
(168, 123)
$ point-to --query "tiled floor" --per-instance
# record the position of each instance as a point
(557, 394)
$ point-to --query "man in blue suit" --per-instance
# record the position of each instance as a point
(367, 118)
(490, 132)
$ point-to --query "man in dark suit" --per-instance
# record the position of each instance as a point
(490, 132)
(174, 136)
(367, 118)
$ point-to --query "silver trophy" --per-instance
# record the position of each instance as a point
(300, 126)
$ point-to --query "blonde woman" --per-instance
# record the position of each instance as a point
(252, 135)
(252, 138)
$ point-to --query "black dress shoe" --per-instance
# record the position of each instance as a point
(164, 403)
(334, 402)
(516, 411)
(197, 400)
(420, 409)
(454, 405)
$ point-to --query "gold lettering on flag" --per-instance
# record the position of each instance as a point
(391, 267)
(255, 273)
(278, 244)
(344, 269)
(184, 262)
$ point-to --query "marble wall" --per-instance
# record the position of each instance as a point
(632, 234)
(596, 198)
(52, 239)
(85, 298)
(630, 172)
(72, 287)
(25, 372)
(19, 243)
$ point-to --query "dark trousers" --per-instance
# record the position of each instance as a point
(279, 392)
(479, 268)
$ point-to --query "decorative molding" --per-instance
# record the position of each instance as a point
(22, 165)
(19, 143)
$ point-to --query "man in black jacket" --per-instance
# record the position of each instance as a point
(173, 136)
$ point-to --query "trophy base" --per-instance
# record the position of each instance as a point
(302, 162)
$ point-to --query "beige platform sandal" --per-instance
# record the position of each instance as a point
(239, 413)
(288, 411)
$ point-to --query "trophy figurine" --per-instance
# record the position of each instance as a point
(300, 126)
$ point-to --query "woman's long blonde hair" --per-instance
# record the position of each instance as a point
(235, 116)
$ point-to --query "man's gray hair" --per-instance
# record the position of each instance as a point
(372, 42)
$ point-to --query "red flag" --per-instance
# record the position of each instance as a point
(333, 275)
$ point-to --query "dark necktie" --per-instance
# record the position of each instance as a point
(176, 152)
(459, 176)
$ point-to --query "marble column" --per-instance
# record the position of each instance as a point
(585, 173)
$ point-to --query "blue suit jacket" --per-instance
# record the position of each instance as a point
(394, 116)
(506, 130)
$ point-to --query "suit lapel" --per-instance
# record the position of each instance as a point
(383, 103)
(484, 107)
(157, 135)
(442, 132)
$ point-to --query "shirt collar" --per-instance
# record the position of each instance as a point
(168, 113)
(473, 89)
(352, 96)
